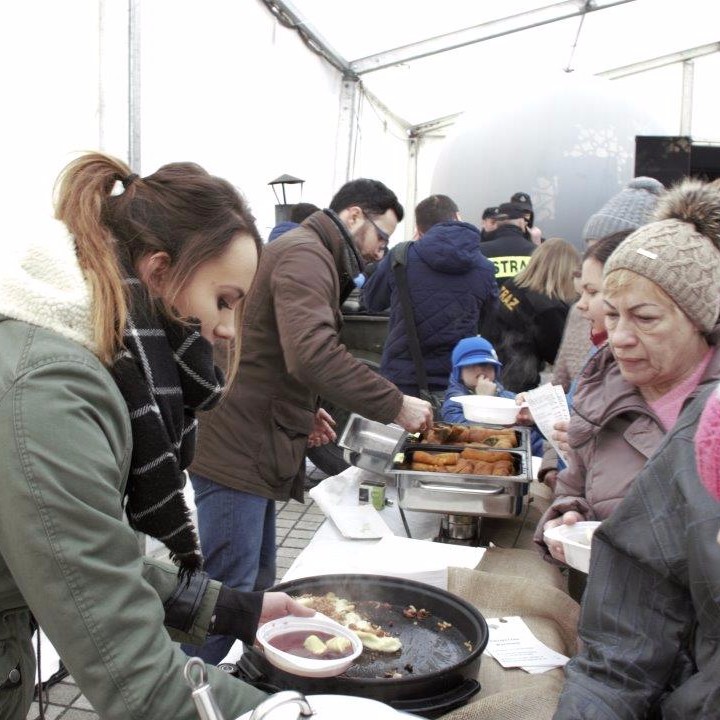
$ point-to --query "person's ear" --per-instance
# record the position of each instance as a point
(153, 270)
(353, 215)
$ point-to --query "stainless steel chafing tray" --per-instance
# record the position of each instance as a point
(371, 445)
(463, 494)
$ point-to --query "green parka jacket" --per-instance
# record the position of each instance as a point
(67, 555)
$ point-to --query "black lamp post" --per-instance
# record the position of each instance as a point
(282, 209)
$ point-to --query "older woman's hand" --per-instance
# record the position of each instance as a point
(560, 435)
(279, 604)
(554, 546)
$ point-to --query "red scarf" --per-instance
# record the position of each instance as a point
(598, 338)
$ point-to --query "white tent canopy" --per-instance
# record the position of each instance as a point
(422, 61)
(253, 89)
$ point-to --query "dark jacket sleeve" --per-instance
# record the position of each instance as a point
(488, 299)
(376, 290)
(633, 622)
(549, 326)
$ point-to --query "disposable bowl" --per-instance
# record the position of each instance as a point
(307, 667)
(489, 409)
(576, 542)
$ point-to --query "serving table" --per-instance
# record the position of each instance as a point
(390, 551)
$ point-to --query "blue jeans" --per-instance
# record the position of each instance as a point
(237, 537)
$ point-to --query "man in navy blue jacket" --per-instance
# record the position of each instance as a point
(451, 286)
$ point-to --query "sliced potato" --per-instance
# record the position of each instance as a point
(315, 645)
(338, 644)
(385, 644)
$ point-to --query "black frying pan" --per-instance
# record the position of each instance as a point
(438, 668)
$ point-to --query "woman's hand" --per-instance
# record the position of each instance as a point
(560, 435)
(323, 432)
(550, 479)
(555, 546)
(279, 604)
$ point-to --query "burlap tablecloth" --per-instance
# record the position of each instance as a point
(518, 582)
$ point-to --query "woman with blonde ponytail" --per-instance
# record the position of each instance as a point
(107, 332)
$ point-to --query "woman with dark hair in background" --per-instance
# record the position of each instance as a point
(592, 309)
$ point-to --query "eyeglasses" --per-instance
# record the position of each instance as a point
(383, 237)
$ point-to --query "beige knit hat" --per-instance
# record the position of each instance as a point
(680, 252)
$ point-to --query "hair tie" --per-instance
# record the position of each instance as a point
(129, 180)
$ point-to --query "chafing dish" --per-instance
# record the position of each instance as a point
(371, 445)
(462, 494)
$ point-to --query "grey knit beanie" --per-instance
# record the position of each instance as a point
(632, 207)
(680, 251)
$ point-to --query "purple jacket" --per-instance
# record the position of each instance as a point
(612, 434)
(451, 285)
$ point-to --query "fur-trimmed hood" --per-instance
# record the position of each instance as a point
(46, 287)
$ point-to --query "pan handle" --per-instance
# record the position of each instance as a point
(252, 674)
(438, 704)
(285, 697)
(465, 489)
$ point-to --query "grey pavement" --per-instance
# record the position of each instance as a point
(296, 525)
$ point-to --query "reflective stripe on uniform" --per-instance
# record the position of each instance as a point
(509, 266)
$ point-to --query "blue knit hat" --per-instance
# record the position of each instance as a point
(473, 351)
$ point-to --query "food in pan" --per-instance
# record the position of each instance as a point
(455, 434)
(485, 455)
(412, 612)
(373, 637)
(449, 458)
(470, 461)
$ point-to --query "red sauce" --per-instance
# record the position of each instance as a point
(293, 643)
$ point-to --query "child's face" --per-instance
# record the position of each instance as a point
(471, 373)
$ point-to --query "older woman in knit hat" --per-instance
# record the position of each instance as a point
(662, 297)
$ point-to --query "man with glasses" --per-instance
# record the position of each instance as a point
(251, 450)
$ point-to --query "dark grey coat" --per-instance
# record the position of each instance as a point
(650, 620)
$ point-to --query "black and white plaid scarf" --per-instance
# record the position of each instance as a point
(165, 373)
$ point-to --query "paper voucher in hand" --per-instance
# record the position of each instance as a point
(548, 405)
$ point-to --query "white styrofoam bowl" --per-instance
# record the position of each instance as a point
(307, 667)
(576, 542)
(489, 409)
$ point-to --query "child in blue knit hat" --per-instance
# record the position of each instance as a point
(476, 371)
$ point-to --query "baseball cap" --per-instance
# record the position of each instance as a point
(511, 211)
(474, 351)
(522, 199)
